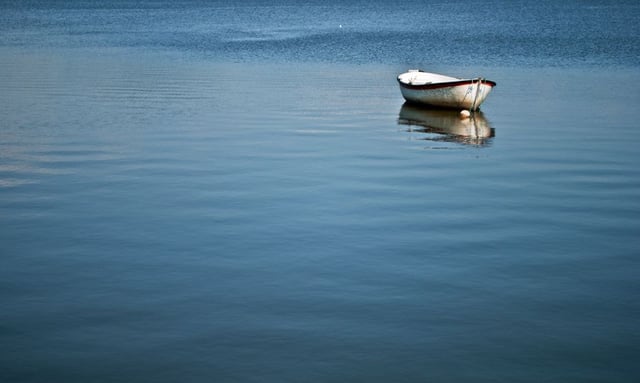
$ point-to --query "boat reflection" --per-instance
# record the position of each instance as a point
(447, 124)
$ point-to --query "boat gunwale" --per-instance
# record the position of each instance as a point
(445, 84)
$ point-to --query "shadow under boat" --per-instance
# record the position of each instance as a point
(448, 124)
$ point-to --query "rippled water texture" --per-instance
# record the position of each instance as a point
(459, 32)
(204, 191)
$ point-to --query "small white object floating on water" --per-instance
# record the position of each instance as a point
(445, 91)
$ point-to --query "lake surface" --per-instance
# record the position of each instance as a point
(211, 192)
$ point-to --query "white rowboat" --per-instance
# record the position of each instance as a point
(439, 90)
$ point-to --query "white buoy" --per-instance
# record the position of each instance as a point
(464, 114)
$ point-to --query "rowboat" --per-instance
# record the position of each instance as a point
(444, 91)
(447, 124)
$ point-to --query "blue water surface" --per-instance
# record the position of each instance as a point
(207, 191)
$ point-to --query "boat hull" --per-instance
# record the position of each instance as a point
(443, 91)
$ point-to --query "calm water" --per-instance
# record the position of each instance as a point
(211, 192)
